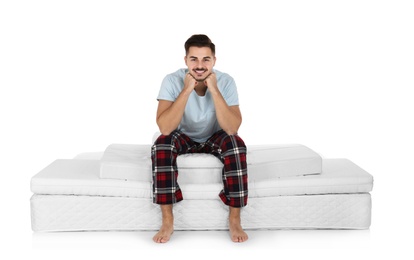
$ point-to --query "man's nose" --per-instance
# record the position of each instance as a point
(200, 64)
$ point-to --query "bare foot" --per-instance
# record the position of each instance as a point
(164, 234)
(237, 233)
(167, 227)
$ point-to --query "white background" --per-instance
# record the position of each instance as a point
(76, 76)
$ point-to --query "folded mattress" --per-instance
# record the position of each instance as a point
(81, 177)
(133, 162)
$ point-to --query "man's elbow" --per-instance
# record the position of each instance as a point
(230, 131)
(165, 131)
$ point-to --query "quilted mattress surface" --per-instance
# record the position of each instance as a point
(72, 213)
(82, 177)
(133, 162)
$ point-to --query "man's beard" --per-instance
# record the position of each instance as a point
(200, 80)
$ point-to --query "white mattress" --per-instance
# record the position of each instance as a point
(133, 162)
(73, 213)
(81, 177)
(70, 195)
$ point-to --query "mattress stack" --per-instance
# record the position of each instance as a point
(290, 187)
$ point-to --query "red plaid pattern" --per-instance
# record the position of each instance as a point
(230, 149)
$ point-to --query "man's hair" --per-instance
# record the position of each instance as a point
(199, 40)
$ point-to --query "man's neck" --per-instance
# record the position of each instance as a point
(201, 89)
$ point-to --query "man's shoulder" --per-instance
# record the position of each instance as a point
(222, 75)
(178, 74)
(174, 81)
(224, 78)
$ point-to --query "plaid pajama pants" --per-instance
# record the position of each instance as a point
(230, 149)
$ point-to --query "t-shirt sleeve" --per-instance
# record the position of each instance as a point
(229, 92)
(167, 90)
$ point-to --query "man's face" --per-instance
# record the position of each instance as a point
(200, 62)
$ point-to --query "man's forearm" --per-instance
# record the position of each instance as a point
(229, 118)
(170, 116)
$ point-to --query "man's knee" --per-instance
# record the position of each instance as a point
(163, 139)
(232, 141)
(167, 139)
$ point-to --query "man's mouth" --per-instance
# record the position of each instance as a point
(199, 72)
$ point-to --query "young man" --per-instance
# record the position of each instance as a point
(198, 112)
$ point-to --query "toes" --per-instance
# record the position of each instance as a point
(239, 239)
(161, 239)
(158, 238)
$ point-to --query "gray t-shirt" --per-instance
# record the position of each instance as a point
(199, 121)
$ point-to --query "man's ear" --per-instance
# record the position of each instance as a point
(185, 60)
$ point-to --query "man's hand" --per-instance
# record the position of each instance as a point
(211, 83)
(189, 82)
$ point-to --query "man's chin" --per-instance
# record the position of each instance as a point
(200, 78)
